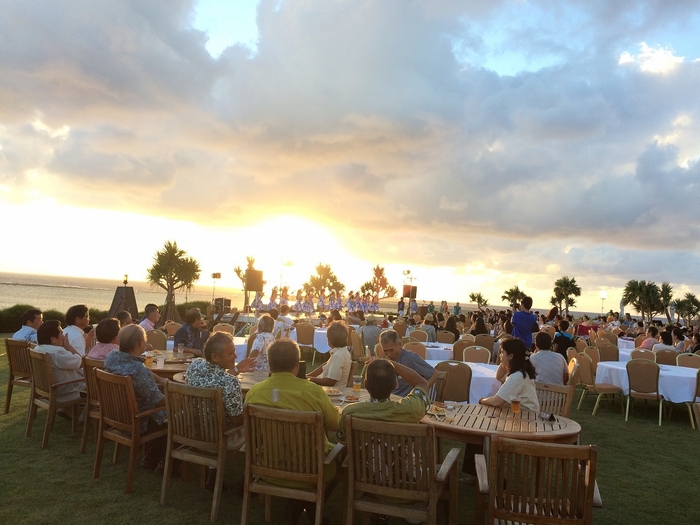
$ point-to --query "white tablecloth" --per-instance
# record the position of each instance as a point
(484, 382)
(676, 383)
(320, 339)
(240, 342)
(625, 346)
(438, 351)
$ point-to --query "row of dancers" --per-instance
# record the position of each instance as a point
(354, 302)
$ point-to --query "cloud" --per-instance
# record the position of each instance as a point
(652, 60)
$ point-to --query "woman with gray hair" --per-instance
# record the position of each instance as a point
(263, 340)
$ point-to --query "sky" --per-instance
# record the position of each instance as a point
(478, 144)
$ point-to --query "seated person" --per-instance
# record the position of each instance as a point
(651, 340)
(563, 340)
(551, 366)
(336, 370)
(681, 342)
(124, 318)
(379, 382)
(479, 327)
(391, 343)
(515, 356)
(666, 342)
(31, 320)
(66, 362)
(152, 316)
(77, 320)
(370, 331)
(283, 324)
(128, 361)
(107, 334)
(428, 327)
(190, 334)
(263, 340)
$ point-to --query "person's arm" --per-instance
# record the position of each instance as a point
(493, 401)
(325, 381)
(413, 378)
(501, 372)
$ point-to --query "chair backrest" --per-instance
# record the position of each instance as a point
(571, 353)
(467, 337)
(157, 339)
(643, 376)
(592, 336)
(639, 340)
(351, 331)
(251, 341)
(89, 366)
(580, 345)
(118, 406)
(42, 373)
(606, 337)
(305, 334)
(378, 350)
(549, 329)
(476, 354)
(400, 328)
(609, 352)
(286, 445)
(416, 348)
(420, 335)
(642, 353)
(458, 349)
(391, 460)
(458, 380)
(574, 371)
(688, 360)
(437, 389)
(585, 370)
(409, 339)
(224, 327)
(540, 483)
(18, 357)
(443, 336)
(594, 354)
(358, 349)
(171, 328)
(353, 372)
(555, 399)
(196, 416)
(484, 340)
(667, 357)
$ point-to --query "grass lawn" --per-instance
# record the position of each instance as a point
(647, 475)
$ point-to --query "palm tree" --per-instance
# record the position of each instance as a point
(243, 276)
(566, 289)
(172, 271)
(666, 296)
(478, 299)
(324, 280)
(648, 298)
(688, 308)
(513, 295)
(379, 284)
(631, 295)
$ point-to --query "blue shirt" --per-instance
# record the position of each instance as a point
(190, 336)
(416, 363)
(522, 326)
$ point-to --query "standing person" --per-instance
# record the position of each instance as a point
(515, 357)
(522, 321)
(391, 343)
(431, 308)
(77, 319)
(152, 316)
(31, 321)
(401, 307)
(456, 309)
(263, 340)
(336, 370)
(191, 334)
(551, 366)
(414, 306)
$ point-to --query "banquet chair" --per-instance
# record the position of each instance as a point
(120, 421)
(458, 380)
(157, 339)
(666, 357)
(300, 458)
(639, 340)
(351, 331)
(378, 350)
(594, 354)
(476, 354)
(688, 360)
(358, 347)
(588, 384)
(420, 335)
(197, 433)
(458, 349)
(45, 395)
(608, 337)
(484, 340)
(409, 339)
(392, 470)
(20, 369)
(580, 345)
(92, 404)
(555, 399)
(443, 336)
(416, 348)
(694, 402)
(643, 376)
(467, 337)
(592, 337)
(571, 353)
(171, 327)
(549, 329)
(305, 339)
(574, 373)
(536, 483)
(609, 352)
(224, 327)
(641, 353)
(696, 413)
(436, 390)
(400, 328)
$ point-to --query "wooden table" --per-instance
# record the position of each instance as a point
(170, 369)
(471, 423)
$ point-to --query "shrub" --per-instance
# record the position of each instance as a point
(11, 318)
(55, 314)
(97, 315)
(182, 308)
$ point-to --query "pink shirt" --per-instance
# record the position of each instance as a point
(147, 324)
(100, 350)
(648, 344)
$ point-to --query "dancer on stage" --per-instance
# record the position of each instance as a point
(321, 305)
(284, 299)
(374, 307)
(308, 306)
(350, 303)
(273, 300)
(257, 303)
(298, 305)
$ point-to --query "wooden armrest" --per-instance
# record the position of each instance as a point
(231, 431)
(597, 500)
(337, 449)
(150, 412)
(56, 385)
(447, 465)
(345, 463)
(482, 474)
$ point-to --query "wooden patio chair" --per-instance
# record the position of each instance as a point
(224, 327)
(690, 404)
(594, 354)
(666, 357)
(20, 369)
(458, 349)
(171, 327)
(250, 343)
(484, 340)
(458, 380)
(476, 354)
(285, 446)
(416, 348)
(641, 353)
(92, 404)
(305, 339)
(45, 395)
(436, 390)
(643, 377)
(392, 470)
(157, 339)
(555, 399)
(536, 483)
(609, 352)
(420, 335)
(443, 336)
(120, 421)
(588, 384)
(400, 328)
(688, 360)
(197, 433)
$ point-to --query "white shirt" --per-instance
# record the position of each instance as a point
(282, 323)
(338, 366)
(26, 333)
(76, 338)
(66, 367)
(517, 385)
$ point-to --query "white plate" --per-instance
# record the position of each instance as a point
(346, 400)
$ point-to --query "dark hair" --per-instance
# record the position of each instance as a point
(47, 330)
(283, 355)
(284, 309)
(640, 323)
(107, 329)
(653, 331)
(543, 341)
(335, 315)
(123, 316)
(381, 378)
(508, 326)
(678, 333)
(520, 362)
(75, 312)
(216, 344)
(192, 315)
(552, 313)
(150, 309)
(563, 326)
(274, 313)
(666, 338)
(527, 302)
(29, 316)
(480, 327)
(337, 334)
